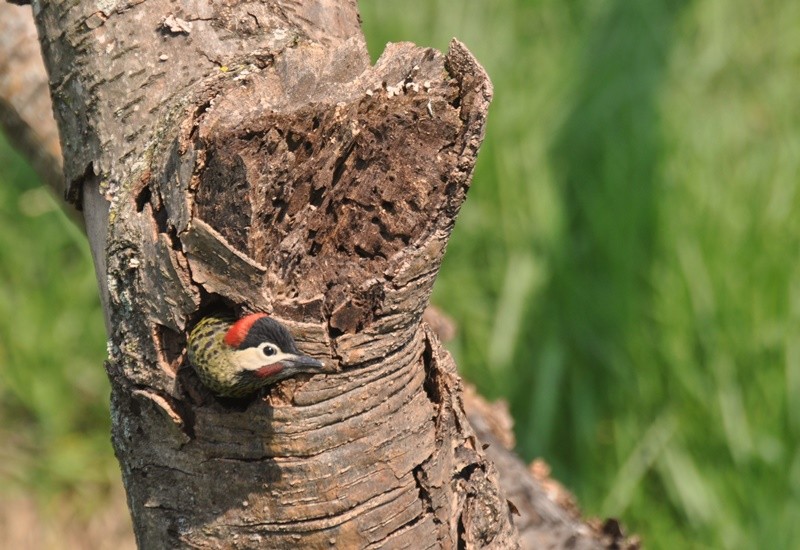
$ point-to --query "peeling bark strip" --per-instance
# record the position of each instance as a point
(252, 160)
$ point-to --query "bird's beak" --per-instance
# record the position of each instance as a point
(302, 362)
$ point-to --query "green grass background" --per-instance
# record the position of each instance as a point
(624, 271)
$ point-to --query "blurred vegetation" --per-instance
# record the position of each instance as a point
(622, 271)
(54, 420)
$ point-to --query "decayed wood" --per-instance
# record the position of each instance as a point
(546, 514)
(346, 235)
(252, 160)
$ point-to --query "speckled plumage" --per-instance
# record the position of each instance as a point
(221, 366)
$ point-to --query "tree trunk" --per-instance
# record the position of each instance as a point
(246, 157)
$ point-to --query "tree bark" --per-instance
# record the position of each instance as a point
(246, 157)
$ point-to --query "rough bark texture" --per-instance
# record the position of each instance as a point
(546, 514)
(246, 157)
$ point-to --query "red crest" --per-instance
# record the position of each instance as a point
(238, 332)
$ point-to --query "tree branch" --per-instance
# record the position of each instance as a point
(26, 113)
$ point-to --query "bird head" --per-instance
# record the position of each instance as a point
(264, 351)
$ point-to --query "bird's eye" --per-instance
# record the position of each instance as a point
(269, 350)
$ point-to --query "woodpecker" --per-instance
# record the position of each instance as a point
(236, 358)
